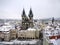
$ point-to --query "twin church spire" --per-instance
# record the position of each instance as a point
(27, 22)
(30, 13)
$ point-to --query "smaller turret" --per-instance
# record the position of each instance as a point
(52, 20)
(30, 18)
(23, 13)
(30, 13)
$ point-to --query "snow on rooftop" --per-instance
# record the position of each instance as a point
(31, 29)
(6, 28)
(55, 42)
(48, 27)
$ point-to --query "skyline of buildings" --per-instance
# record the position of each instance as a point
(12, 9)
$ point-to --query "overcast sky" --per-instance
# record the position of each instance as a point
(12, 9)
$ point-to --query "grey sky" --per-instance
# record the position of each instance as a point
(41, 8)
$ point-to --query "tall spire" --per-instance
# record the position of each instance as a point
(23, 13)
(30, 13)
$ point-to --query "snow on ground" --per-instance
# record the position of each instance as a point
(20, 42)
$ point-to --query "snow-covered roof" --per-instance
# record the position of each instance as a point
(31, 29)
(6, 23)
(48, 27)
(55, 42)
(5, 28)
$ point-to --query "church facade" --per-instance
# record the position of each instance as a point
(27, 22)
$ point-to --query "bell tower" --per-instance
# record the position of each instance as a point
(30, 18)
(23, 15)
(23, 20)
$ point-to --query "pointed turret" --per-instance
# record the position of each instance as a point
(30, 13)
(23, 13)
(52, 20)
(30, 18)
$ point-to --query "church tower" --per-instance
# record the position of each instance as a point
(24, 18)
(23, 15)
(27, 22)
(30, 18)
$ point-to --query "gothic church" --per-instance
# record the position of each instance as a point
(27, 22)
